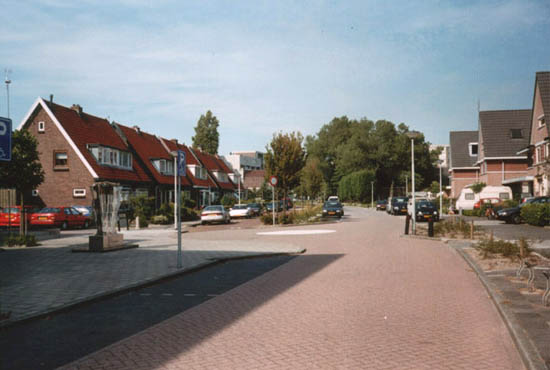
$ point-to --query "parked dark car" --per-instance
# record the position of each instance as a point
(392, 204)
(399, 208)
(381, 205)
(513, 215)
(256, 208)
(333, 209)
(426, 210)
(278, 206)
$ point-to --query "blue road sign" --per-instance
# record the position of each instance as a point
(5, 139)
(181, 163)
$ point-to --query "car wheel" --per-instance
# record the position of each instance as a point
(516, 219)
(64, 225)
(86, 224)
(203, 222)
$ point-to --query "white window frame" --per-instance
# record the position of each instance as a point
(541, 120)
(79, 193)
(538, 154)
(41, 126)
(470, 146)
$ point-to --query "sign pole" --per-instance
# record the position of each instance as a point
(180, 173)
(273, 203)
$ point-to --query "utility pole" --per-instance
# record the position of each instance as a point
(8, 82)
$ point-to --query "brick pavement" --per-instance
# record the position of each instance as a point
(361, 298)
(42, 279)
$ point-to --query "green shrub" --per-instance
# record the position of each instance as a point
(188, 214)
(453, 227)
(142, 206)
(478, 187)
(303, 216)
(536, 214)
(160, 220)
(356, 186)
(472, 212)
(26, 240)
(490, 247)
(228, 200)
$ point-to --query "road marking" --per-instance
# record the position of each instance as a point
(211, 295)
(297, 232)
(167, 294)
(145, 294)
(189, 295)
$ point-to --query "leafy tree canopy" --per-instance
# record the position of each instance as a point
(206, 136)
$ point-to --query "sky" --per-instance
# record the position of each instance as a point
(267, 66)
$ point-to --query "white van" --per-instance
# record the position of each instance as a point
(468, 198)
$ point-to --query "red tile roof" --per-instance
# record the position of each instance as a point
(212, 164)
(191, 160)
(149, 147)
(87, 129)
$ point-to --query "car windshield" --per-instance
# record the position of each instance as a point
(214, 208)
(49, 210)
(10, 210)
(240, 206)
(253, 205)
(332, 204)
(424, 204)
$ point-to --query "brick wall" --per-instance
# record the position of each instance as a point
(57, 188)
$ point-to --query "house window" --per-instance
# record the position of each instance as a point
(516, 133)
(504, 196)
(542, 121)
(79, 193)
(473, 149)
(538, 155)
(60, 160)
(41, 126)
(469, 196)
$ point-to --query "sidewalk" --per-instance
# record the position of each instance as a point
(38, 280)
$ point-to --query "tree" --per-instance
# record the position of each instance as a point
(312, 177)
(24, 171)
(206, 136)
(285, 159)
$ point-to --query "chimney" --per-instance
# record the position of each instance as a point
(77, 108)
(136, 129)
(51, 98)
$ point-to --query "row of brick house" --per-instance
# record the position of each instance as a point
(510, 147)
(77, 149)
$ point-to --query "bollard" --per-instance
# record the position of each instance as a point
(472, 230)
(407, 222)
(431, 227)
(137, 222)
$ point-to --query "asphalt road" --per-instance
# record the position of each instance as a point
(50, 342)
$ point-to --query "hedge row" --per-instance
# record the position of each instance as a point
(536, 214)
(356, 187)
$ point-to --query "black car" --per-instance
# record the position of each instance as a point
(396, 202)
(256, 208)
(426, 210)
(278, 206)
(381, 205)
(399, 208)
(513, 215)
(333, 209)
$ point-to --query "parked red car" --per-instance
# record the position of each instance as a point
(12, 216)
(478, 204)
(63, 217)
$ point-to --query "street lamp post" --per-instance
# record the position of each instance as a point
(412, 135)
(372, 194)
(440, 162)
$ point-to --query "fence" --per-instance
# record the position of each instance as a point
(8, 197)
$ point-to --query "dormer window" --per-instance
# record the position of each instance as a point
(516, 133)
(111, 157)
(164, 166)
(221, 176)
(473, 149)
(541, 120)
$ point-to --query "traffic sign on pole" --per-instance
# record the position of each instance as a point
(181, 163)
(5, 139)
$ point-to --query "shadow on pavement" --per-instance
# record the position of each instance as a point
(59, 339)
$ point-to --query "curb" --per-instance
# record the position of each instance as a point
(529, 354)
(105, 294)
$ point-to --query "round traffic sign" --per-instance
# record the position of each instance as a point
(273, 181)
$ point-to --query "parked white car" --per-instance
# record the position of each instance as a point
(240, 210)
(468, 198)
(215, 214)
